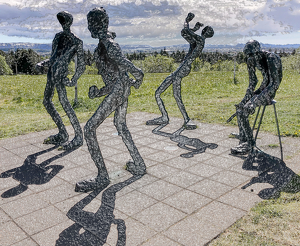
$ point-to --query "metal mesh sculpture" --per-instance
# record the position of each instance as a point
(271, 68)
(114, 68)
(64, 47)
(196, 46)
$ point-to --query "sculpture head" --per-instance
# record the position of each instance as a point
(98, 22)
(65, 19)
(207, 32)
(251, 48)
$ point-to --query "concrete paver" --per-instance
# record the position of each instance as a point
(179, 202)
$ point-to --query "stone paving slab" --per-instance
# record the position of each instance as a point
(180, 201)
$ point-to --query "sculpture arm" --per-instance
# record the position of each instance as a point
(80, 65)
(54, 47)
(275, 71)
(189, 34)
(125, 65)
(252, 82)
(46, 63)
(264, 83)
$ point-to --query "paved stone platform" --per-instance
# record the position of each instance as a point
(180, 201)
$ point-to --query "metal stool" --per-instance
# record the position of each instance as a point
(262, 114)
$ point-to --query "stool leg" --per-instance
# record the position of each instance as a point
(256, 118)
(260, 120)
(278, 132)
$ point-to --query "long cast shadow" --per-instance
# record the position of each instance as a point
(271, 170)
(96, 226)
(194, 145)
(32, 173)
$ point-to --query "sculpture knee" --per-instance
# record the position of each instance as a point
(47, 102)
(242, 113)
(176, 94)
(157, 94)
(121, 127)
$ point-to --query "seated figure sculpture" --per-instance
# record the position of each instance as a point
(113, 67)
(196, 46)
(65, 46)
(271, 68)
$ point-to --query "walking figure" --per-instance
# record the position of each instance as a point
(65, 46)
(113, 67)
(196, 46)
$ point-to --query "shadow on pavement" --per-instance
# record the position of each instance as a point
(273, 171)
(31, 173)
(96, 226)
(194, 145)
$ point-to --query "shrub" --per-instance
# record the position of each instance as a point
(156, 64)
(4, 68)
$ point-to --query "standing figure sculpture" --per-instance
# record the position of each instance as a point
(196, 46)
(114, 68)
(271, 68)
(65, 46)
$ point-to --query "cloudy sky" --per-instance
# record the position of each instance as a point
(155, 22)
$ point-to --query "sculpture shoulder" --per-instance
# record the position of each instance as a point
(58, 35)
(271, 57)
(113, 48)
(76, 39)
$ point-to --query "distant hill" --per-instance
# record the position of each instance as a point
(46, 48)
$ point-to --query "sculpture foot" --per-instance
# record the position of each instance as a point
(135, 169)
(56, 139)
(242, 149)
(74, 144)
(158, 121)
(91, 184)
(190, 125)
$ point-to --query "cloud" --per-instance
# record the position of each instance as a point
(153, 19)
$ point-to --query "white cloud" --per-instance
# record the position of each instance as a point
(147, 20)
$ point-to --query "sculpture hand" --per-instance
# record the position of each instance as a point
(93, 91)
(197, 26)
(239, 105)
(189, 17)
(66, 81)
(136, 83)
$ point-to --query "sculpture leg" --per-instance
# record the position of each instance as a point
(241, 136)
(245, 128)
(62, 135)
(108, 105)
(164, 119)
(137, 167)
(78, 139)
(188, 124)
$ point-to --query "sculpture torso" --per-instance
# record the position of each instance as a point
(64, 48)
(194, 51)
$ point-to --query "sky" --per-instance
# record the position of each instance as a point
(155, 22)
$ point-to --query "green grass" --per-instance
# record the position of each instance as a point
(208, 97)
(272, 222)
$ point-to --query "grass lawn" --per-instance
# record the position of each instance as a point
(208, 97)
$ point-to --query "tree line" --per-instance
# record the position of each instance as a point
(23, 61)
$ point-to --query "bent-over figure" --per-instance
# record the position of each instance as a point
(271, 68)
(196, 46)
(114, 68)
(65, 46)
